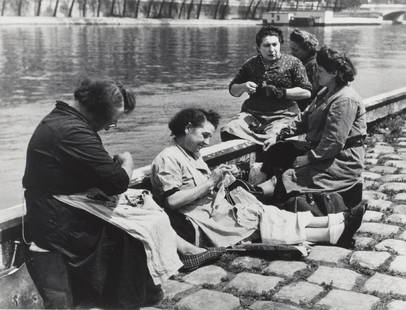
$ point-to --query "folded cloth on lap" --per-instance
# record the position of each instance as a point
(143, 219)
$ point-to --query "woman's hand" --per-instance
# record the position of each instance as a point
(301, 161)
(218, 173)
(250, 87)
(269, 142)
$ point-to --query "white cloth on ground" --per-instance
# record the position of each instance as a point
(146, 222)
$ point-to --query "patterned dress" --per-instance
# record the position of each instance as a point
(260, 115)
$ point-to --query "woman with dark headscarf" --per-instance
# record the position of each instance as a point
(273, 81)
(303, 45)
(332, 157)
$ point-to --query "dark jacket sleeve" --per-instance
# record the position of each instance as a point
(340, 119)
(82, 152)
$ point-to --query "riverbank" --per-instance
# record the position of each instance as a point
(37, 20)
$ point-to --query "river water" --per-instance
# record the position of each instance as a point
(168, 67)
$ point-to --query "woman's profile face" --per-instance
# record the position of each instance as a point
(198, 137)
(325, 77)
(270, 48)
(298, 51)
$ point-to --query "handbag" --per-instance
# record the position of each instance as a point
(320, 204)
(18, 290)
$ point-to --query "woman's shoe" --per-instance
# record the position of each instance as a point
(193, 261)
(352, 221)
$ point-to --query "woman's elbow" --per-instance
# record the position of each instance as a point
(306, 94)
(173, 203)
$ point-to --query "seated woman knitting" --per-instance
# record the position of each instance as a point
(331, 158)
(185, 186)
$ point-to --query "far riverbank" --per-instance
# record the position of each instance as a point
(18, 20)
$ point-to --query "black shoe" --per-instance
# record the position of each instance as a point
(352, 221)
(252, 189)
(193, 261)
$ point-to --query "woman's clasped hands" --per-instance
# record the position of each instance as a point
(221, 171)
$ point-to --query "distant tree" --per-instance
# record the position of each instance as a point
(71, 8)
(56, 8)
(39, 8)
(3, 6)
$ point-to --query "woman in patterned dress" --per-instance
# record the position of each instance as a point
(273, 82)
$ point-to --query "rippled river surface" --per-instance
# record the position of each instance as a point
(169, 68)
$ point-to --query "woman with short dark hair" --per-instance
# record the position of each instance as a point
(273, 82)
(332, 157)
(303, 45)
(183, 184)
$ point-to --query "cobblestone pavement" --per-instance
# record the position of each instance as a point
(371, 276)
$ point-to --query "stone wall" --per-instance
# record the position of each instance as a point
(177, 9)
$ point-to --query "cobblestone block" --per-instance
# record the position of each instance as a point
(330, 254)
(397, 219)
(246, 282)
(172, 288)
(206, 275)
(393, 178)
(374, 195)
(208, 299)
(383, 169)
(383, 149)
(372, 216)
(400, 197)
(385, 284)
(371, 161)
(371, 185)
(371, 155)
(338, 277)
(391, 157)
(398, 246)
(344, 300)
(379, 204)
(369, 259)
(284, 268)
(402, 235)
(363, 242)
(299, 292)
(402, 171)
(396, 305)
(401, 144)
(247, 262)
(378, 228)
(270, 305)
(395, 187)
(371, 176)
(399, 209)
(396, 163)
(399, 265)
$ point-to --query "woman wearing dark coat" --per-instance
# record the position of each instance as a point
(65, 156)
(331, 158)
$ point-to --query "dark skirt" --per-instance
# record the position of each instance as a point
(106, 266)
